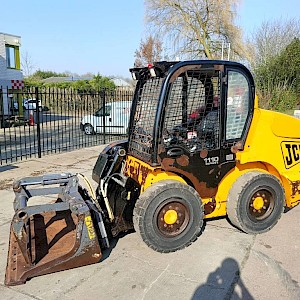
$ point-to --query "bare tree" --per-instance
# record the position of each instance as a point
(27, 64)
(197, 28)
(149, 51)
(271, 38)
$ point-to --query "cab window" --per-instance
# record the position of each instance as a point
(237, 108)
(192, 114)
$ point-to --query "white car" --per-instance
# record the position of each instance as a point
(111, 119)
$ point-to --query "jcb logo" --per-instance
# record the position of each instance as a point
(90, 227)
(291, 153)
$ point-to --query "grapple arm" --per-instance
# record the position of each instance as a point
(54, 236)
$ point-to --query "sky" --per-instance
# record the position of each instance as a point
(100, 36)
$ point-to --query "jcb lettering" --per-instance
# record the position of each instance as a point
(90, 227)
(291, 153)
(295, 152)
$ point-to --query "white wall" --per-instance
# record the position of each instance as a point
(8, 74)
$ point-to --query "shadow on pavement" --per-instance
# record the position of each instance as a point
(222, 282)
(7, 168)
(113, 243)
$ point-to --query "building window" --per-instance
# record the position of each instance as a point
(12, 57)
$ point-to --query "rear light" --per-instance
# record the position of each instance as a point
(152, 70)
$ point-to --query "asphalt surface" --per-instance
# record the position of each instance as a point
(223, 263)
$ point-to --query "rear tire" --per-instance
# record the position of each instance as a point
(255, 202)
(168, 216)
(88, 129)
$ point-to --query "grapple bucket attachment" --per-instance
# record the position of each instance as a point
(51, 237)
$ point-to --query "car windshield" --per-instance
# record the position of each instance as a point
(104, 111)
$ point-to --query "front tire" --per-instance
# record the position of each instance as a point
(168, 216)
(255, 202)
(88, 129)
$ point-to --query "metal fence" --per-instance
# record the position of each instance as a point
(40, 121)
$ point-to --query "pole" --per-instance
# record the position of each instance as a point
(103, 92)
(38, 126)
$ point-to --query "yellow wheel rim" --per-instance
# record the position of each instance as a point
(170, 217)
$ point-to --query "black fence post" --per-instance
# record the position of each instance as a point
(38, 127)
(103, 92)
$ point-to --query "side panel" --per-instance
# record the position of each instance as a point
(145, 175)
(204, 170)
(120, 118)
(281, 152)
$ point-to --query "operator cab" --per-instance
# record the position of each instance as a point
(191, 117)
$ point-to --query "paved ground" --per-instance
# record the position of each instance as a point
(222, 264)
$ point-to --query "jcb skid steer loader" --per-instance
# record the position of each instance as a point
(198, 147)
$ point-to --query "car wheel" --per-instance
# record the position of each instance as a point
(255, 202)
(88, 129)
(168, 216)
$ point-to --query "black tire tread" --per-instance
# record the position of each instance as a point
(145, 199)
(234, 196)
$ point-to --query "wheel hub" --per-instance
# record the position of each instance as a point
(261, 204)
(172, 218)
(258, 203)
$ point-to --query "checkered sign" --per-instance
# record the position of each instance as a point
(17, 84)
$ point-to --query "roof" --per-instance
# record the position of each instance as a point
(10, 39)
(8, 34)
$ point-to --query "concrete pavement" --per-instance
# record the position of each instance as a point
(223, 263)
